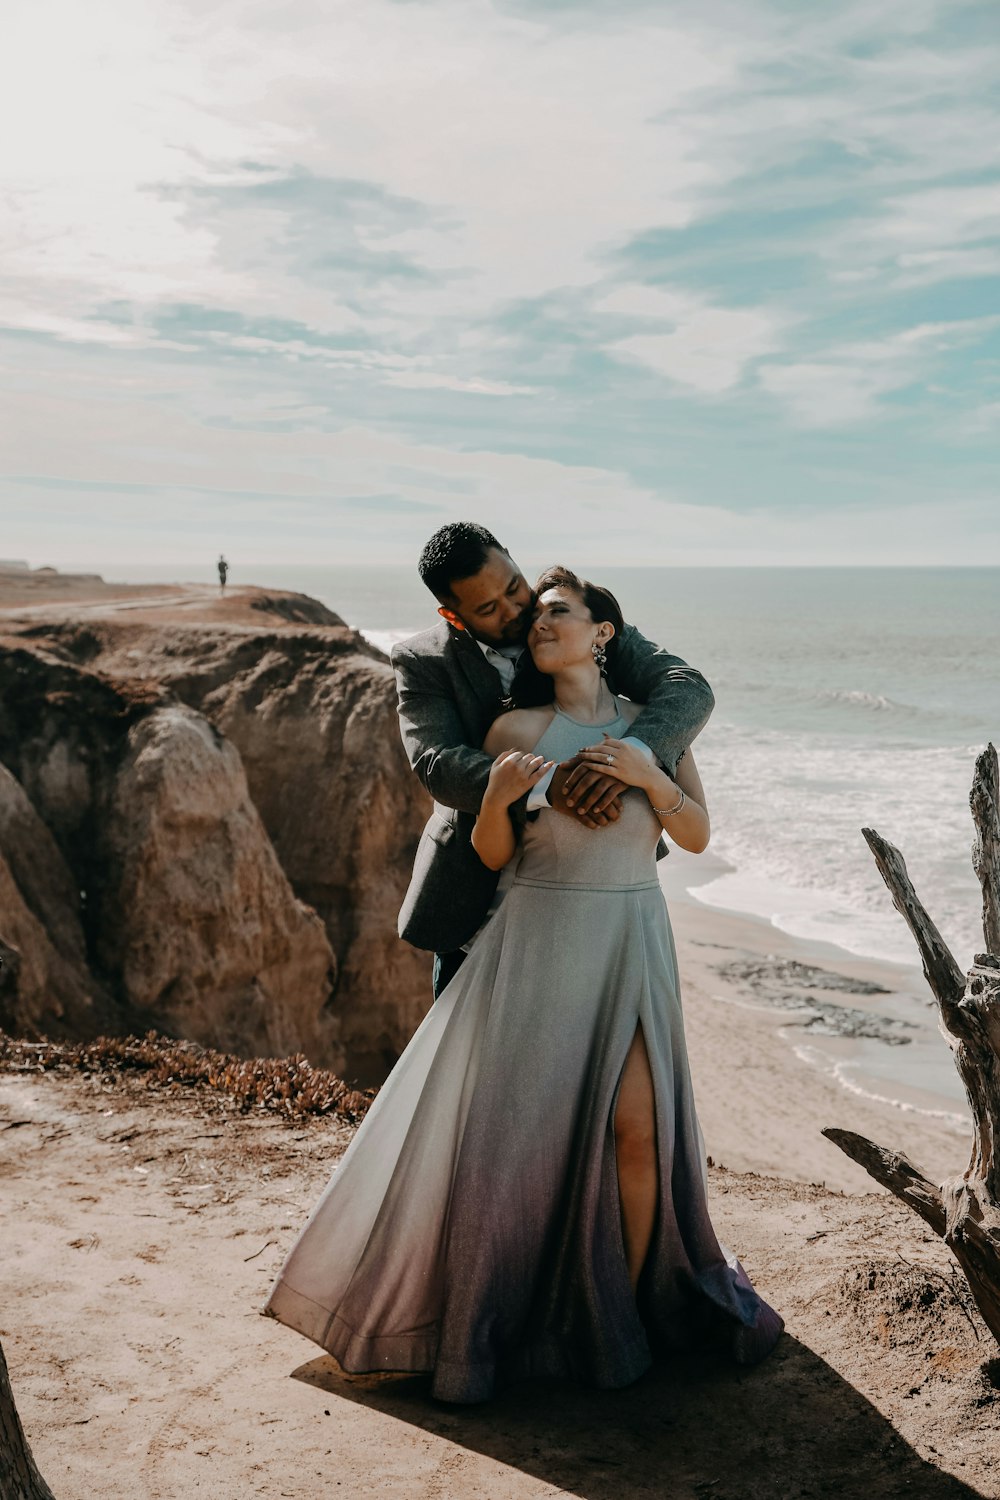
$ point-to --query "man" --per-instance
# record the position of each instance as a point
(452, 682)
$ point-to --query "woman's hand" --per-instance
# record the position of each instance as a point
(513, 773)
(622, 761)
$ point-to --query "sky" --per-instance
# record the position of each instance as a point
(661, 283)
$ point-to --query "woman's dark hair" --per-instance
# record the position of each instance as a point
(532, 687)
(456, 551)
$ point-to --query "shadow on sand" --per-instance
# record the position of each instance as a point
(791, 1429)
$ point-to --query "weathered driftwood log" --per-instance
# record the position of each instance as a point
(965, 1211)
(19, 1478)
(985, 801)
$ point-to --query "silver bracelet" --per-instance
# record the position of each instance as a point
(668, 812)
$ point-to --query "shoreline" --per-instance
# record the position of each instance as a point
(789, 1035)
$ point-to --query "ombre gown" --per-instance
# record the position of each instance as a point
(473, 1228)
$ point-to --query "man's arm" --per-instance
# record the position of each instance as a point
(453, 772)
(678, 701)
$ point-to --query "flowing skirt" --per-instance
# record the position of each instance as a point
(473, 1227)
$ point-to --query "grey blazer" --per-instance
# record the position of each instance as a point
(449, 696)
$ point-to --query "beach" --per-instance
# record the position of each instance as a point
(143, 1228)
(767, 1084)
(142, 1231)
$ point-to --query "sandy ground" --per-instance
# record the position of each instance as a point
(142, 1230)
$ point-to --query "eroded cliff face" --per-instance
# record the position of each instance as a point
(47, 983)
(41, 990)
(198, 918)
(60, 733)
(206, 783)
(318, 735)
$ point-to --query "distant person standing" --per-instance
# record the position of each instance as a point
(223, 567)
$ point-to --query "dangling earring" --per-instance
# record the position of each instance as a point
(600, 656)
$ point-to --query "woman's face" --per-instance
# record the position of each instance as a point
(562, 632)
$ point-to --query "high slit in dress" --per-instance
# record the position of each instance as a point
(473, 1227)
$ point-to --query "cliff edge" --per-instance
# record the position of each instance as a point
(206, 823)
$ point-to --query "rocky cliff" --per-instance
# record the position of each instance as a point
(44, 976)
(223, 824)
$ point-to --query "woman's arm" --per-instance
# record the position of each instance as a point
(689, 827)
(678, 801)
(513, 773)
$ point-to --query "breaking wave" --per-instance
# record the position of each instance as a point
(867, 702)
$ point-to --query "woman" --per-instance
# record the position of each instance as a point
(527, 1194)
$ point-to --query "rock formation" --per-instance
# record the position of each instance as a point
(46, 985)
(316, 728)
(224, 784)
(197, 917)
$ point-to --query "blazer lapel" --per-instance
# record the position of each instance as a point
(483, 679)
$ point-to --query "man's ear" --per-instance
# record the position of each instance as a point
(451, 617)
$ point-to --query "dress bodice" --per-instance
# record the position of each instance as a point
(556, 850)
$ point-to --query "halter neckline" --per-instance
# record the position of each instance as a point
(581, 724)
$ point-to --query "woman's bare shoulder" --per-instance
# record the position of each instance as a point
(521, 729)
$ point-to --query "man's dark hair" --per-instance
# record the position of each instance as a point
(456, 551)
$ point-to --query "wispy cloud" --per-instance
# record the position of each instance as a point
(690, 341)
(846, 386)
(685, 247)
(428, 380)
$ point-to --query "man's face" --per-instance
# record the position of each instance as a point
(495, 604)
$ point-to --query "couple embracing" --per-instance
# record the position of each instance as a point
(527, 1194)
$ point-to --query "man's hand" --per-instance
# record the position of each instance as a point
(582, 790)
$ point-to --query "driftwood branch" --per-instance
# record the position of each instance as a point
(940, 969)
(978, 1061)
(966, 1211)
(895, 1172)
(19, 1476)
(985, 800)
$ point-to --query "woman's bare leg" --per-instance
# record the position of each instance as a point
(635, 1148)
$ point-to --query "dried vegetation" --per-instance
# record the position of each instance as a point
(286, 1086)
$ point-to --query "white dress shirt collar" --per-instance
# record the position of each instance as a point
(503, 659)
